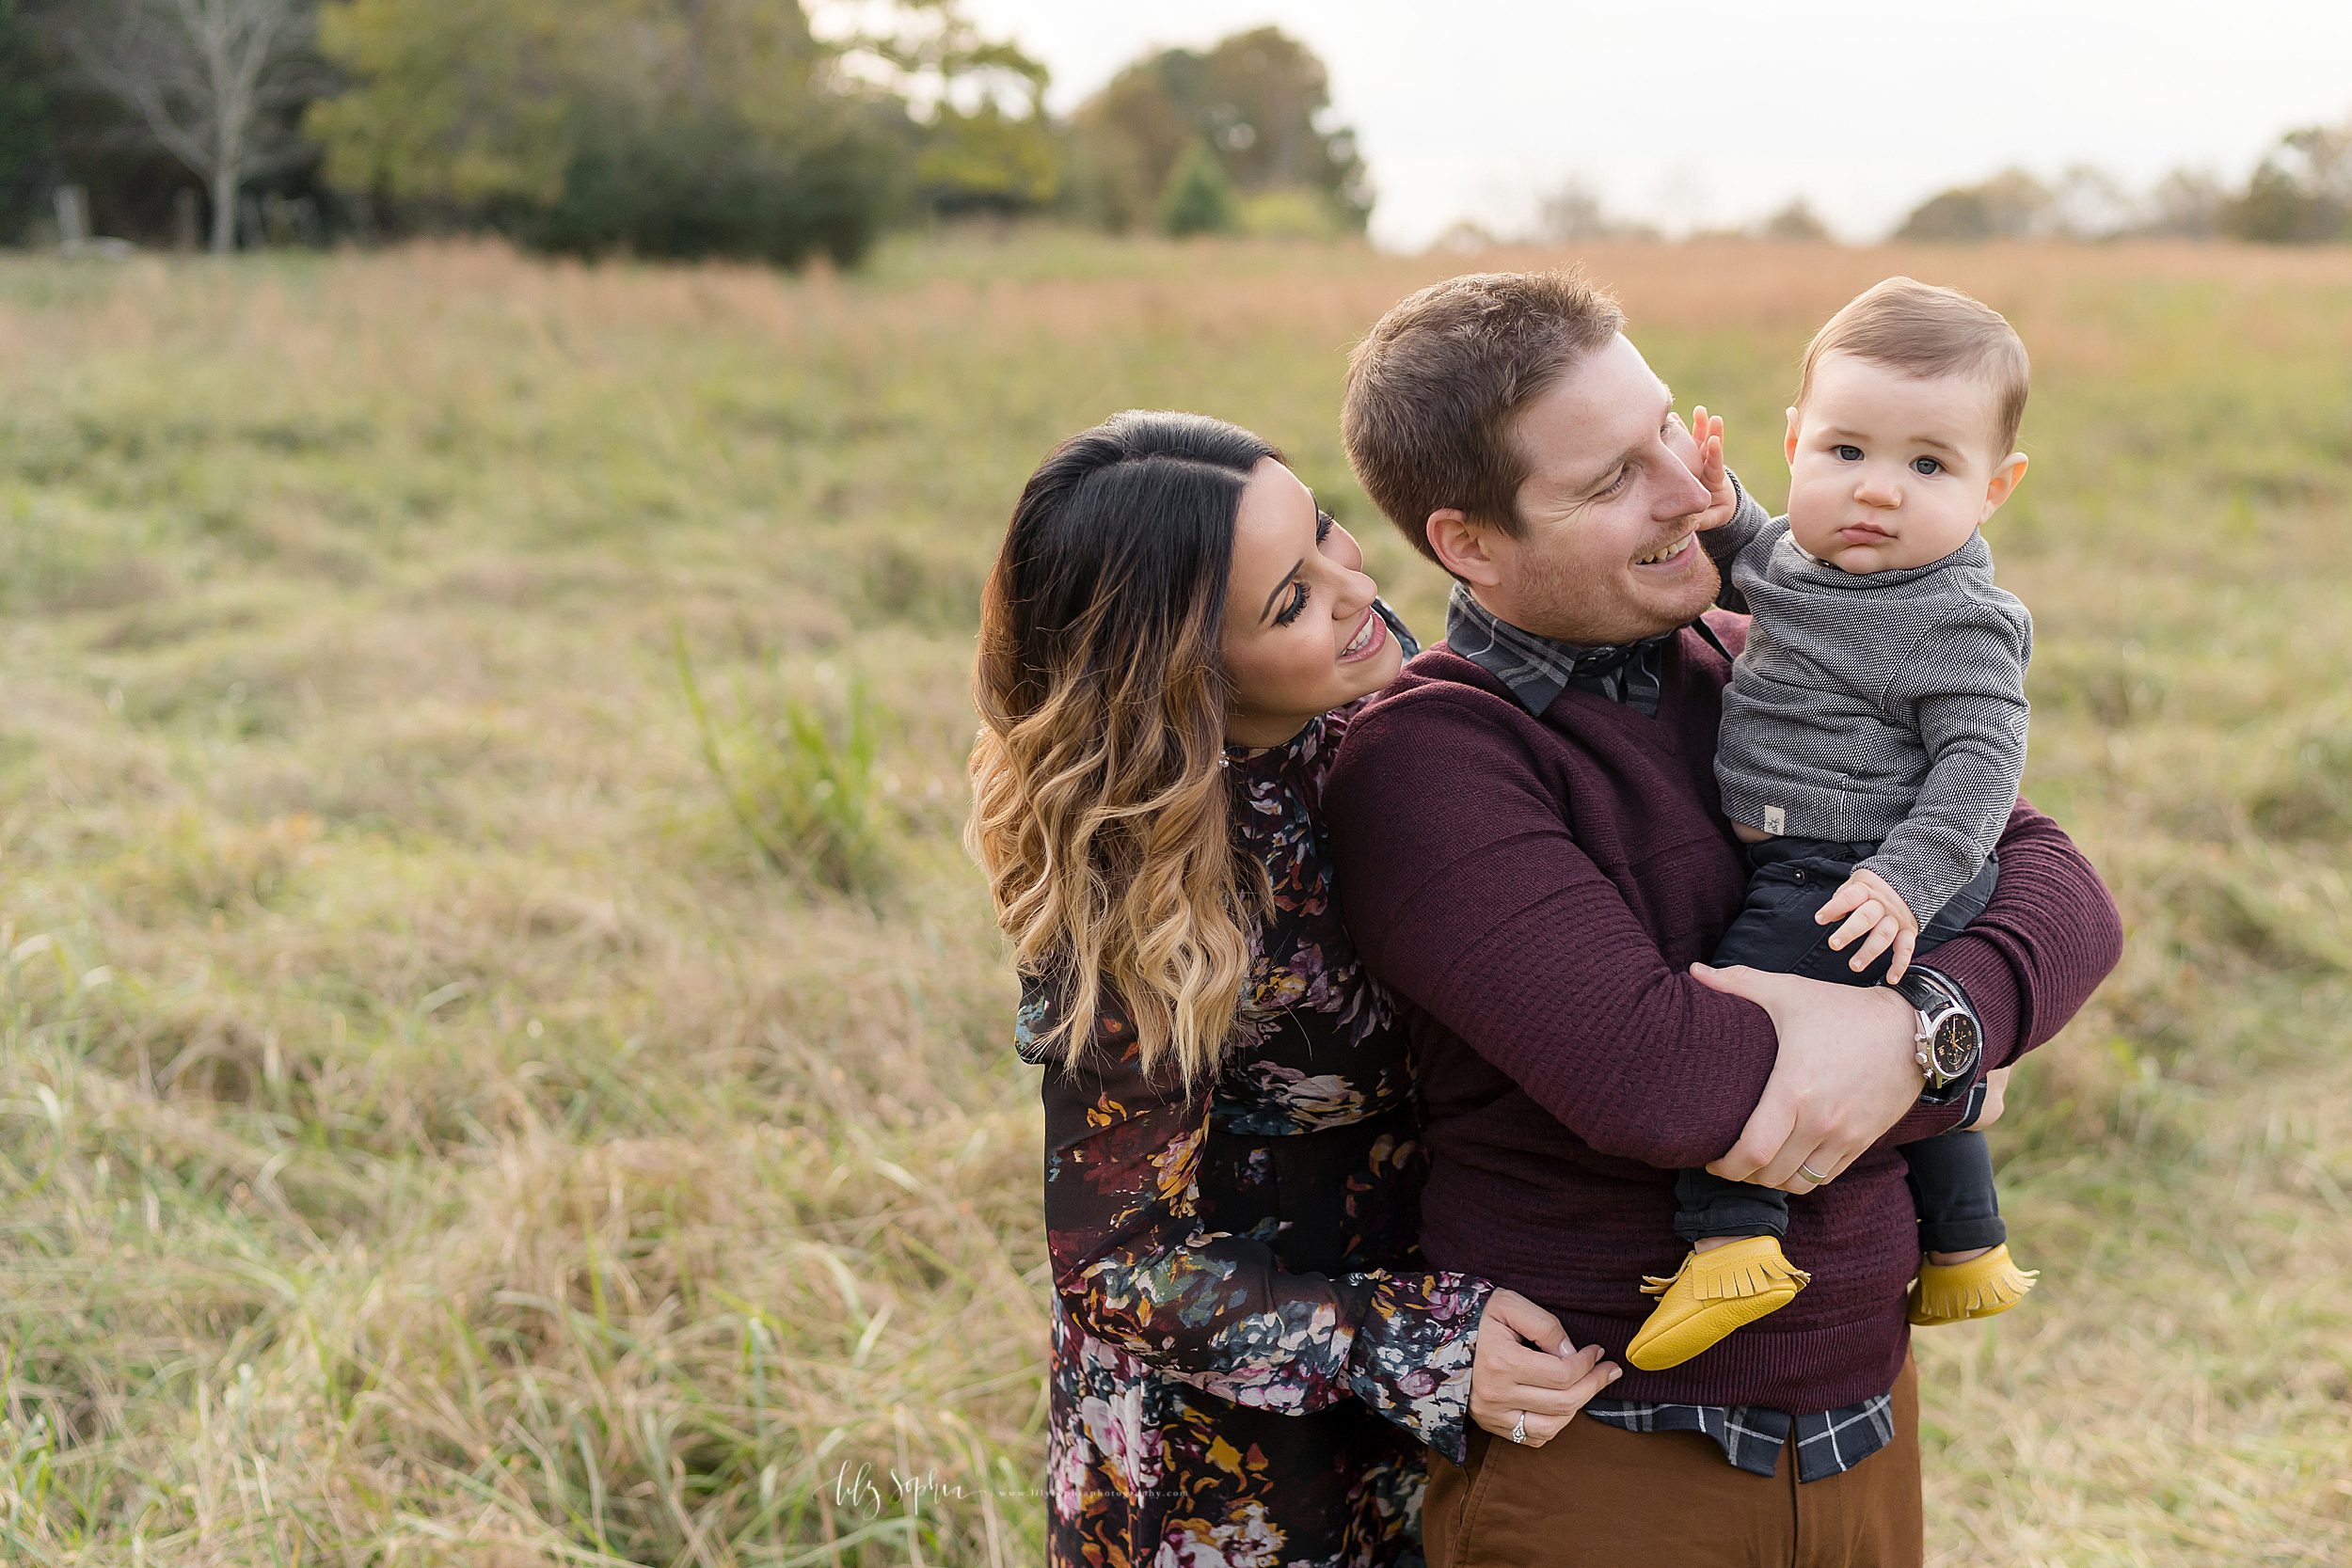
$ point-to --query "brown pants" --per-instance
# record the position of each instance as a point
(1597, 1494)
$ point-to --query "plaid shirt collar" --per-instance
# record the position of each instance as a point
(1829, 1443)
(1536, 669)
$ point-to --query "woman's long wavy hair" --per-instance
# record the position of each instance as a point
(1099, 803)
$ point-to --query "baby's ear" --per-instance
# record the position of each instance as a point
(2005, 478)
(1789, 449)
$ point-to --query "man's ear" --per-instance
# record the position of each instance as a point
(2005, 482)
(1789, 451)
(1462, 546)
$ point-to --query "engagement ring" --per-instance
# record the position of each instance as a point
(1813, 1176)
(1519, 1433)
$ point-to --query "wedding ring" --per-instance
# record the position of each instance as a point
(1519, 1433)
(1813, 1176)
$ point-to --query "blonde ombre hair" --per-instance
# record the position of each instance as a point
(1099, 800)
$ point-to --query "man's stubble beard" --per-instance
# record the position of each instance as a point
(1572, 608)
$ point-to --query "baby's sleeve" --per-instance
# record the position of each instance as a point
(1749, 523)
(1963, 686)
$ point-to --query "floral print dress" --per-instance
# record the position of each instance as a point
(1249, 1351)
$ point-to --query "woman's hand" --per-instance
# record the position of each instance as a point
(1525, 1367)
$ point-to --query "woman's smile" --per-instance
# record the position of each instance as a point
(1368, 639)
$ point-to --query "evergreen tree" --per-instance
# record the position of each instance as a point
(23, 121)
(1200, 197)
(1254, 99)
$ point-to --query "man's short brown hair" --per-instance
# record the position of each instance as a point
(1927, 332)
(1435, 388)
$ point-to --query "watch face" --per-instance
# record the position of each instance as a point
(1955, 1045)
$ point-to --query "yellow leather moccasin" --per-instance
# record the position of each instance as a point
(1713, 1294)
(1955, 1292)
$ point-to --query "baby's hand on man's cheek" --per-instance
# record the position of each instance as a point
(1704, 459)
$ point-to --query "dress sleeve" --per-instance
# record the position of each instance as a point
(1134, 1267)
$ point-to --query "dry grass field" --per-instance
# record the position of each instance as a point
(467, 1097)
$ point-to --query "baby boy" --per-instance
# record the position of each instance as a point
(1873, 736)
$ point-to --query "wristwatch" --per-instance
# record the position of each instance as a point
(1950, 1040)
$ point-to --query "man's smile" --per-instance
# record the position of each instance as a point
(1667, 553)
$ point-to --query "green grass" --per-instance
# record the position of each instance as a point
(465, 1097)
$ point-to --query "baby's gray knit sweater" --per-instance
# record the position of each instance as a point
(1886, 709)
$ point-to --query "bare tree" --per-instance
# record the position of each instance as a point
(1573, 215)
(212, 79)
(2089, 204)
(2187, 204)
(1798, 223)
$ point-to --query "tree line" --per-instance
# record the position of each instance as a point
(2301, 193)
(669, 128)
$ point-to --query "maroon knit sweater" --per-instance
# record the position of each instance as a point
(1533, 891)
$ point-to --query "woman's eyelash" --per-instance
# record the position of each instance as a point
(1298, 606)
(1325, 523)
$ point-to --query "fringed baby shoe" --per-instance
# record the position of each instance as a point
(1955, 1292)
(1713, 1294)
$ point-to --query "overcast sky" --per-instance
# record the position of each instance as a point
(1707, 113)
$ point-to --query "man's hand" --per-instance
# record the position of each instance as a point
(1848, 1070)
(1705, 462)
(1545, 1379)
(1875, 913)
(1995, 1092)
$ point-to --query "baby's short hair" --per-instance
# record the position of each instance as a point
(1928, 332)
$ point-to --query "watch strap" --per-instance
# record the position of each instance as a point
(1975, 1104)
(1926, 988)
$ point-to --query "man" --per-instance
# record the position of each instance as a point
(1531, 857)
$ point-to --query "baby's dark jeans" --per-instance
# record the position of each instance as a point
(1951, 1175)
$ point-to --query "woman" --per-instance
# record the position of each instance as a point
(1248, 1352)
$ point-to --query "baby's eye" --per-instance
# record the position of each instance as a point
(1928, 467)
(1292, 611)
(1848, 454)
